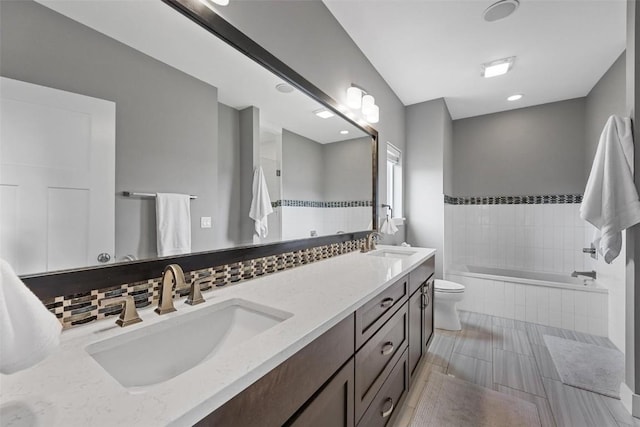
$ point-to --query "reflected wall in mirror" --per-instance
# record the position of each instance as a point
(97, 105)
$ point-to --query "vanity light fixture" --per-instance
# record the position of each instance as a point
(358, 98)
(515, 97)
(211, 3)
(323, 113)
(498, 67)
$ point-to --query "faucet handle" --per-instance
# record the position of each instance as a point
(195, 295)
(129, 314)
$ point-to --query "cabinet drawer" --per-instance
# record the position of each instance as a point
(387, 402)
(376, 312)
(377, 357)
(421, 273)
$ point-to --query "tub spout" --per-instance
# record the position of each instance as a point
(591, 274)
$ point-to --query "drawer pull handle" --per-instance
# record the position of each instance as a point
(387, 302)
(387, 412)
(387, 348)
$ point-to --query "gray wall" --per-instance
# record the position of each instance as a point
(528, 151)
(428, 138)
(226, 225)
(606, 98)
(166, 121)
(302, 168)
(347, 164)
(306, 36)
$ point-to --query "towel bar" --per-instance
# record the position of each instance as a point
(134, 194)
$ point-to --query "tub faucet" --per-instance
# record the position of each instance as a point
(172, 278)
(591, 274)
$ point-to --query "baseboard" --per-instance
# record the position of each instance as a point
(630, 400)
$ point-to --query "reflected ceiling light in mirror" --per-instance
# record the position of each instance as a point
(498, 67)
(515, 97)
(500, 10)
(284, 88)
(212, 3)
(344, 132)
(358, 98)
(323, 113)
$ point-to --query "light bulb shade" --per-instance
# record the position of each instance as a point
(354, 97)
(374, 116)
(368, 102)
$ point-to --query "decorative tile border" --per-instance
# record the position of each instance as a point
(514, 200)
(78, 309)
(319, 204)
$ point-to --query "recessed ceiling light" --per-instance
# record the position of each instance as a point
(344, 132)
(211, 3)
(284, 88)
(498, 67)
(515, 97)
(500, 10)
(323, 113)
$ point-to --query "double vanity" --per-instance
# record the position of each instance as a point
(329, 343)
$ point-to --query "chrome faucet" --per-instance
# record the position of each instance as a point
(591, 274)
(370, 244)
(172, 278)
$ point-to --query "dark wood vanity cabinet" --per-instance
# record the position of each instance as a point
(420, 312)
(356, 374)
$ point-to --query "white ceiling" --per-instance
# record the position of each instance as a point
(429, 49)
(155, 29)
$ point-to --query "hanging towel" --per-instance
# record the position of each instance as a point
(610, 200)
(260, 204)
(388, 226)
(28, 331)
(173, 217)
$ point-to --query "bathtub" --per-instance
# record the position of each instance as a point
(544, 298)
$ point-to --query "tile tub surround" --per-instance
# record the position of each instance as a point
(79, 309)
(70, 388)
(533, 233)
(582, 309)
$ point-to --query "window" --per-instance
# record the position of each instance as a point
(394, 180)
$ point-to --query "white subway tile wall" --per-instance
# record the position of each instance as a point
(543, 237)
(577, 310)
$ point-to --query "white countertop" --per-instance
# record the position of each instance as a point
(71, 389)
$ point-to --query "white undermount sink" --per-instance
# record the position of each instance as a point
(392, 253)
(159, 352)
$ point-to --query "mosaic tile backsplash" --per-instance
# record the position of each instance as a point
(79, 309)
(514, 200)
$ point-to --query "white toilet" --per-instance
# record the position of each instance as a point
(447, 295)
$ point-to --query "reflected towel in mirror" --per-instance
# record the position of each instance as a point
(28, 331)
(173, 218)
(260, 204)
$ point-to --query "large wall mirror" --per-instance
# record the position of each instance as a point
(106, 103)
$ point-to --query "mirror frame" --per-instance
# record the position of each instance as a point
(73, 281)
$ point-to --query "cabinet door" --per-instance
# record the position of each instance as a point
(416, 324)
(333, 406)
(427, 304)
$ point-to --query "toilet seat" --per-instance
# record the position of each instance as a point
(446, 286)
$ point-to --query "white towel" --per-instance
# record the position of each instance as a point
(610, 200)
(260, 204)
(28, 331)
(173, 218)
(388, 226)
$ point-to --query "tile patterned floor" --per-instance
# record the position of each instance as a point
(511, 357)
